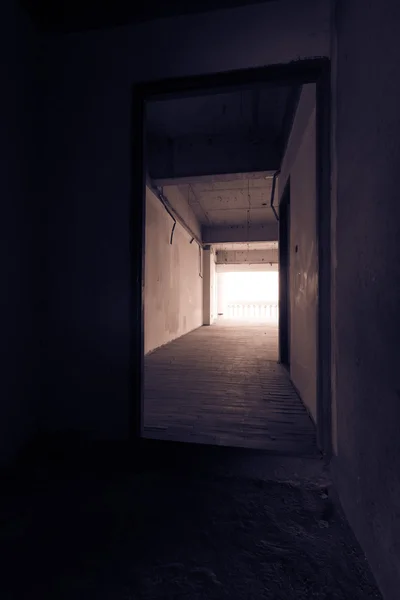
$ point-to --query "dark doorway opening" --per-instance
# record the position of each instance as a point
(302, 72)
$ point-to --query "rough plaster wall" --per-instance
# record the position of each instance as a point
(173, 288)
(304, 109)
(19, 349)
(304, 271)
(88, 182)
(367, 467)
(300, 165)
(257, 35)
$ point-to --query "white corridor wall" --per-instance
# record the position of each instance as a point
(173, 290)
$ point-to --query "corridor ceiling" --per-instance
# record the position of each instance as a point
(243, 130)
(235, 200)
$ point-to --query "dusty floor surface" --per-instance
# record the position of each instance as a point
(204, 523)
(222, 385)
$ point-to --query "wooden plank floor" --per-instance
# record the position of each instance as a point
(222, 385)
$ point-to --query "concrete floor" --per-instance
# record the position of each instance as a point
(163, 520)
(168, 520)
(222, 385)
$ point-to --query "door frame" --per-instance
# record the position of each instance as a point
(284, 276)
(295, 73)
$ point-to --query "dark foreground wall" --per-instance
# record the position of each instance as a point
(368, 280)
(18, 317)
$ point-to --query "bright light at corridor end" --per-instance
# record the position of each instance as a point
(249, 295)
(253, 287)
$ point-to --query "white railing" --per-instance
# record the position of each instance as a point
(253, 310)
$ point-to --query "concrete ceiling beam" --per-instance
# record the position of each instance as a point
(197, 156)
(257, 233)
(212, 179)
(247, 256)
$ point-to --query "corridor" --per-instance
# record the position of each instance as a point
(222, 385)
